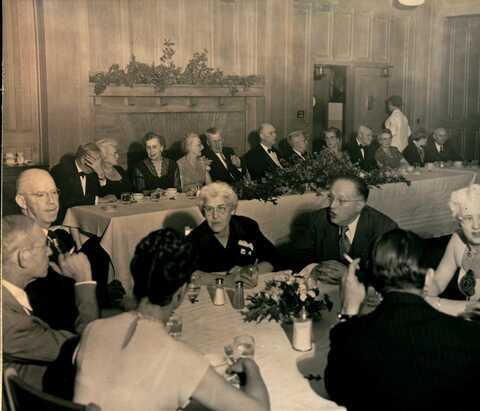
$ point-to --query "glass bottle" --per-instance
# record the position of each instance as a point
(219, 298)
(238, 297)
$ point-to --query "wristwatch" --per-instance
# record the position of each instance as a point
(344, 317)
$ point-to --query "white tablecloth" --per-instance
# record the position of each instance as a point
(420, 207)
(208, 328)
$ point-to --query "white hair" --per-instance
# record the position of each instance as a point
(104, 143)
(218, 189)
(465, 201)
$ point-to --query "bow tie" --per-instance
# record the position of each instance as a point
(271, 150)
(82, 174)
(362, 146)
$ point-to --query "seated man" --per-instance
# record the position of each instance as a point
(439, 148)
(362, 149)
(227, 242)
(225, 165)
(29, 344)
(52, 297)
(80, 180)
(348, 226)
(405, 355)
(298, 147)
(263, 157)
(414, 153)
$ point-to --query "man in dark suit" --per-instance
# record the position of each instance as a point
(297, 147)
(80, 179)
(52, 297)
(414, 153)
(347, 226)
(438, 148)
(405, 355)
(362, 149)
(263, 157)
(225, 165)
(29, 344)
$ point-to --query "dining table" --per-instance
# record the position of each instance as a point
(293, 379)
(420, 206)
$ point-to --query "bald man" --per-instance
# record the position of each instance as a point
(264, 157)
(29, 344)
(362, 149)
(439, 148)
(52, 298)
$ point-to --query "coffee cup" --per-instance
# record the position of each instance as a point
(171, 192)
(137, 197)
(410, 169)
(429, 166)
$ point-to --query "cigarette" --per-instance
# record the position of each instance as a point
(348, 258)
(72, 250)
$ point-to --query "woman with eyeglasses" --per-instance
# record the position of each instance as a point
(229, 245)
(462, 255)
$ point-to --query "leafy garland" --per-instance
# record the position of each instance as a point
(314, 174)
(197, 72)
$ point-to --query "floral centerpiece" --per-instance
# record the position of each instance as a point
(284, 298)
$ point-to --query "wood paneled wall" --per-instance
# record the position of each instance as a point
(61, 41)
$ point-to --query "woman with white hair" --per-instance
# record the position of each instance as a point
(227, 242)
(117, 178)
(462, 253)
(192, 172)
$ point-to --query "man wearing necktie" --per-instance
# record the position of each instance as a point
(263, 157)
(361, 149)
(298, 146)
(439, 148)
(225, 165)
(346, 229)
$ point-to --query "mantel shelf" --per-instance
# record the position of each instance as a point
(177, 91)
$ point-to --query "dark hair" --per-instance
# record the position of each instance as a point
(335, 130)
(398, 261)
(418, 134)
(212, 131)
(163, 262)
(386, 131)
(362, 187)
(151, 135)
(85, 149)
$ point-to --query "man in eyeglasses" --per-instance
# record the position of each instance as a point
(52, 298)
(347, 227)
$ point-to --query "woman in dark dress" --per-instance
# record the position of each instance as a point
(118, 181)
(155, 171)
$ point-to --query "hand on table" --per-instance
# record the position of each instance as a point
(236, 161)
(330, 272)
(75, 266)
(352, 291)
(246, 369)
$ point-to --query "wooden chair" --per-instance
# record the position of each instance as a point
(23, 397)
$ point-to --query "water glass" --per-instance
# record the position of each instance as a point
(243, 346)
(175, 326)
(193, 291)
(125, 197)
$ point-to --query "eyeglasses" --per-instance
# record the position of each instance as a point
(43, 195)
(221, 209)
(341, 201)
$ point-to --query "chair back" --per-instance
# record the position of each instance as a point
(23, 397)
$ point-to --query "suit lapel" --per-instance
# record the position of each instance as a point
(272, 163)
(76, 180)
(361, 234)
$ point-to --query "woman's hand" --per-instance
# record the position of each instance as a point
(352, 291)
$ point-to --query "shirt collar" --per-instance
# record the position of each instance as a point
(266, 148)
(438, 145)
(78, 167)
(19, 294)
(352, 229)
(359, 144)
(298, 152)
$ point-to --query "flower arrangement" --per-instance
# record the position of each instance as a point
(314, 175)
(284, 298)
(197, 72)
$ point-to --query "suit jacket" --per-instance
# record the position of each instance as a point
(29, 344)
(292, 157)
(412, 155)
(320, 240)
(354, 152)
(218, 172)
(67, 179)
(432, 154)
(405, 355)
(258, 162)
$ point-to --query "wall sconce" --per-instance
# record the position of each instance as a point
(319, 71)
(386, 71)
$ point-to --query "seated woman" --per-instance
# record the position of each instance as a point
(414, 153)
(129, 362)
(155, 171)
(333, 150)
(192, 168)
(386, 155)
(227, 242)
(462, 253)
(117, 178)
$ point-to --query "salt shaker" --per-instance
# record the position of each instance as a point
(219, 298)
(238, 297)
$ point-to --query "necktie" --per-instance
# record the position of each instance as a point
(344, 243)
(421, 153)
(441, 149)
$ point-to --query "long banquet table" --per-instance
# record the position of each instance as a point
(420, 207)
(208, 328)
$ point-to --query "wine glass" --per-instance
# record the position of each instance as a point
(193, 291)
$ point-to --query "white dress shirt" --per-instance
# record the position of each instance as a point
(222, 159)
(272, 154)
(300, 154)
(352, 229)
(83, 179)
(19, 294)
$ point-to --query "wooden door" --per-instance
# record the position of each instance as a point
(370, 93)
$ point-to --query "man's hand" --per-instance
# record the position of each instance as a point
(95, 163)
(330, 272)
(472, 311)
(352, 291)
(75, 266)
(236, 161)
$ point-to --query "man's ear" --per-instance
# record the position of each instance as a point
(21, 202)
(24, 257)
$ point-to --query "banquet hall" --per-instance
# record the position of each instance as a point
(194, 174)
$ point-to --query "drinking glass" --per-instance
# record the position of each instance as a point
(125, 197)
(156, 195)
(243, 346)
(374, 298)
(193, 291)
(175, 326)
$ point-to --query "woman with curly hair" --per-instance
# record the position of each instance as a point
(129, 362)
